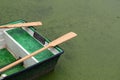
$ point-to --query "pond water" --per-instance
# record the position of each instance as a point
(95, 53)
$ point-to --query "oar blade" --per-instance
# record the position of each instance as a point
(62, 39)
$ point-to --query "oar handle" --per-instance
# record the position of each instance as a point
(38, 23)
(51, 44)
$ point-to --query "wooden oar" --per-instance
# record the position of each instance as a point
(22, 25)
(51, 44)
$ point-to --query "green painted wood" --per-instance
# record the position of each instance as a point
(6, 58)
(29, 43)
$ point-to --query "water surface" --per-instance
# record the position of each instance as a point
(95, 53)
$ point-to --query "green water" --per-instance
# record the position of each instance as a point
(95, 53)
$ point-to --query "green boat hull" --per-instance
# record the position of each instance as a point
(35, 71)
(43, 66)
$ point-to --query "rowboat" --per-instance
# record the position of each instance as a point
(16, 43)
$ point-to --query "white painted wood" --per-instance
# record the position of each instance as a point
(2, 43)
(28, 30)
(17, 50)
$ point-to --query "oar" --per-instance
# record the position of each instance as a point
(22, 25)
(51, 44)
